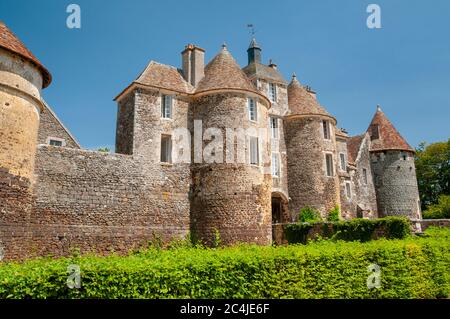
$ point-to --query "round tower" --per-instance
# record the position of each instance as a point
(311, 152)
(393, 170)
(231, 192)
(22, 77)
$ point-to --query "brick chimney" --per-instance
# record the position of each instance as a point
(193, 62)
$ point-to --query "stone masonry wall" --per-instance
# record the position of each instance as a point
(231, 199)
(396, 184)
(103, 202)
(49, 126)
(125, 125)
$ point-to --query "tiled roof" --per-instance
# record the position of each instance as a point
(222, 72)
(389, 137)
(263, 71)
(10, 42)
(353, 146)
(164, 77)
(301, 102)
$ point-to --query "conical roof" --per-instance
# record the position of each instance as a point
(301, 102)
(254, 44)
(353, 146)
(388, 136)
(10, 42)
(222, 72)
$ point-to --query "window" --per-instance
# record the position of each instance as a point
(166, 148)
(343, 163)
(326, 130)
(274, 127)
(272, 92)
(329, 163)
(348, 190)
(365, 176)
(275, 165)
(166, 106)
(56, 141)
(252, 110)
(254, 150)
(374, 132)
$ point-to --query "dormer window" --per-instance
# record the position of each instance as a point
(252, 110)
(166, 106)
(374, 132)
(272, 92)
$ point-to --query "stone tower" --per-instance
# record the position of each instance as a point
(22, 77)
(311, 149)
(393, 169)
(231, 189)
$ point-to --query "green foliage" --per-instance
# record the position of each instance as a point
(357, 229)
(441, 210)
(433, 171)
(309, 215)
(103, 149)
(416, 267)
(333, 215)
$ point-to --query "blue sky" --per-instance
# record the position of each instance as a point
(404, 66)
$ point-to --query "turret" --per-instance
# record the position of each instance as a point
(254, 52)
(22, 77)
(311, 152)
(393, 169)
(230, 194)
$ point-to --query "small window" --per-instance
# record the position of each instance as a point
(55, 143)
(274, 127)
(254, 151)
(252, 110)
(326, 130)
(166, 106)
(348, 190)
(329, 163)
(272, 92)
(374, 132)
(166, 149)
(343, 162)
(275, 165)
(365, 176)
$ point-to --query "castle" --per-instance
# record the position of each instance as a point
(55, 196)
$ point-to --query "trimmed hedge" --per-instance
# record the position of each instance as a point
(357, 229)
(417, 267)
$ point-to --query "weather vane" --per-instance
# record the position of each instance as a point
(252, 30)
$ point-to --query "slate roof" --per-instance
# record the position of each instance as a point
(164, 76)
(301, 102)
(10, 42)
(389, 137)
(264, 71)
(223, 72)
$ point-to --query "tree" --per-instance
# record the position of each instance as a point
(433, 171)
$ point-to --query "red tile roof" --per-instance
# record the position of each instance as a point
(164, 77)
(222, 72)
(389, 137)
(10, 42)
(353, 146)
(301, 102)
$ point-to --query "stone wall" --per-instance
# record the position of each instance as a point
(125, 124)
(307, 180)
(396, 184)
(231, 199)
(50, 126)
(104, 202)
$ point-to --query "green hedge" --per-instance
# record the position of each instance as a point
(417, 267)
(357, 229)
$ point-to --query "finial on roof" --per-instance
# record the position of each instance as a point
(379, 108)
(224, 46)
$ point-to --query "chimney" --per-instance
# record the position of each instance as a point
(272, 65)
(311, 91)
(193, 63)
